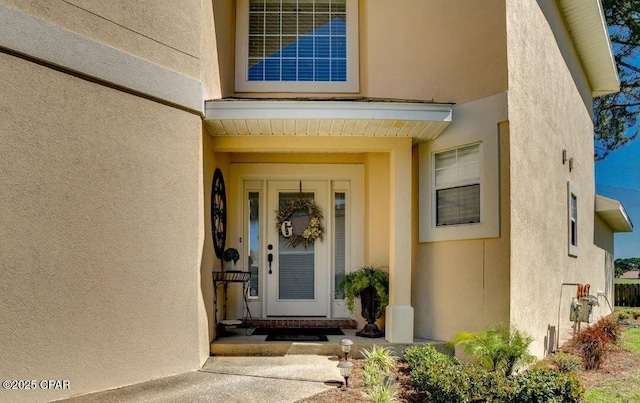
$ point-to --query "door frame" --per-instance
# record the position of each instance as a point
(257, 175)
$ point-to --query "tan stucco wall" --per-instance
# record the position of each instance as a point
(211, 161)
(602, 234)
(377, 199)
(101, 232)
(447, 51)
(547, 114)
(567, 50)
(404, 45)
(157, 31)
(210, 43)
(225, 25)
(464, 285)
(603, 237)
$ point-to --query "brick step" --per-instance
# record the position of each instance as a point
(300, 323)
(238, 342)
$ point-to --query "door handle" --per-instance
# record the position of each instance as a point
(270, 257)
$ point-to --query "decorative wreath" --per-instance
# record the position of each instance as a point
(300, 222)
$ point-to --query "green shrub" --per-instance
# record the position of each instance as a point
(565, 362)
(426, 354)
(497, 347)
(371, 376)
(378, 363)
(548, 386)
(383, 358)
(623, 315)
(444, 379)
(436, 374)
(386, 392)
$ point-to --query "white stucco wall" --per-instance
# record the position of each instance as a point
(101, 232)
(547, 114)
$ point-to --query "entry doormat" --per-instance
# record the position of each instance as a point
(298, 334)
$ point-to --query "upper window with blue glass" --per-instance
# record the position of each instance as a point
(299, 41)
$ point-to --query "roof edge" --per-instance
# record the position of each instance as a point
(613, 213)
(589, 31)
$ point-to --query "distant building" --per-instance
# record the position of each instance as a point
(632, 274)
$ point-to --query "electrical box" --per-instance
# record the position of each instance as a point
(582, 309)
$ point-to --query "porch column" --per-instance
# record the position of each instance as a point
(399, 312)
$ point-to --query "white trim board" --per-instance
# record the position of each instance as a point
(421, 121)
(23, 34)
(333, 109)
(613, 213)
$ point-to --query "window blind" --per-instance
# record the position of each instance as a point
(296, 265)
(457, 183)
(297, 40)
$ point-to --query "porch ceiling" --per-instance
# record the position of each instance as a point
(613, 213)
(336, 117)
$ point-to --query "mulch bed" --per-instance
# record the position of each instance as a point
(619, 365)
(355, 392)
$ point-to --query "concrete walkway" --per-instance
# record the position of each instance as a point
(288, 378)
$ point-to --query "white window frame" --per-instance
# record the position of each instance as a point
(338, 306)
(573, 242)
(253, 187)
(352, 85)
(479, 121)
(454, 185)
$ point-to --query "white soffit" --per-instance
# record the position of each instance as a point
(614, 214)
(421, 121)
(588, 28)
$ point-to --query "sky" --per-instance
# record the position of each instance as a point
(618, 177)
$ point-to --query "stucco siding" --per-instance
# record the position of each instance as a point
(225, 24)
(602, 234)
(100, 234)
(210, 43)
(547, 115)
(415, 49)
(564, 42)
(154, 30)
(464, 285)
(433, 49)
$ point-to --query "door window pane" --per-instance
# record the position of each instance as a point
(339, 225)
(296, 264)
(254, 244)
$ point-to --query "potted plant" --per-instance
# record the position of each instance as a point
(231, 255)
(371, 284)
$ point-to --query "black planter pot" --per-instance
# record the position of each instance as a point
(370, 303)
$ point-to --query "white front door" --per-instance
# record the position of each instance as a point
(297, 277)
